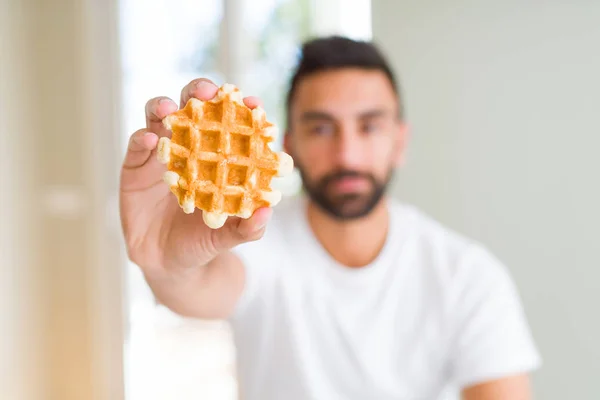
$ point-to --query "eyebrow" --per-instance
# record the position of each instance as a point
(377, 113)
(323, 116)
(316, 116)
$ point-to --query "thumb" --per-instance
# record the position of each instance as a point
(237, 231)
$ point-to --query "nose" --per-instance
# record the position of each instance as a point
(349, 151)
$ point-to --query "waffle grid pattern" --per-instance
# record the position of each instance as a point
(218, 158)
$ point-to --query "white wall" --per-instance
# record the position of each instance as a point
(504, 102)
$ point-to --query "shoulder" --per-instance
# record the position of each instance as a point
(431, 236)
(451, 253)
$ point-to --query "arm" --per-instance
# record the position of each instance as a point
(206, 292)
(188, 266)
(493, 349)
(510, 388)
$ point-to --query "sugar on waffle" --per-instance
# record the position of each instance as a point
(218, 158)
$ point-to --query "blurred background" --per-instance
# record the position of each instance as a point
(502, 99)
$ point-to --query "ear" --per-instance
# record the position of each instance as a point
(402, 132)
(287, 143)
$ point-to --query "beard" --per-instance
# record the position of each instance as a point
(345, 206)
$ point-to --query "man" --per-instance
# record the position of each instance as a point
(346, 294)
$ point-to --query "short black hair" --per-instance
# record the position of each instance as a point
(336, 52)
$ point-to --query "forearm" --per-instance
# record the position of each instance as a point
(176, 288)
(208, 291)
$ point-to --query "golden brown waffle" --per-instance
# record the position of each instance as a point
(218, 158)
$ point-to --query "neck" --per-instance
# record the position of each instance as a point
(353, 243)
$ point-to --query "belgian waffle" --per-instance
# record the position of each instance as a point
(218, 158)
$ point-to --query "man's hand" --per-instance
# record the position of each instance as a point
(511, 388)
(172, 248)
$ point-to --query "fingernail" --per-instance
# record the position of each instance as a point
(203, 85)
(148, 133)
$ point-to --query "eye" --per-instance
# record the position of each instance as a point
(370, 127)
(322, 129)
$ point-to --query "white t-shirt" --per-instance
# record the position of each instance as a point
(434, 312)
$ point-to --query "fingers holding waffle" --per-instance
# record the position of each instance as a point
(218, 158)
(252, 101)
(140, 145)
(157, 109)
(201, 88)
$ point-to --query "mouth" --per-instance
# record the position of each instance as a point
(350, 184)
